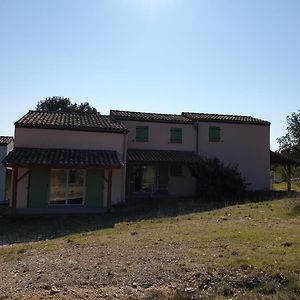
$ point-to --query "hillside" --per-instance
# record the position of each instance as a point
(246, 251)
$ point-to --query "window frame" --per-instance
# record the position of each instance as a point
(212, 136)
(139, 138)
(66, 188)
(176, 130)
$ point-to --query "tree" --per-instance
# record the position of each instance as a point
(289, 144)
(64, 104)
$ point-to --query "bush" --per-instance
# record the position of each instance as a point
(217, 181)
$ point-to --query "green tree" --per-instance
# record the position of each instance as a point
(64, 104)
(289, 144)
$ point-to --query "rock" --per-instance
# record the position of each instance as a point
(134, 284)
(54, 290)
(287, 244)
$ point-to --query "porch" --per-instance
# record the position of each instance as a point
(62, 181)
(159, 173)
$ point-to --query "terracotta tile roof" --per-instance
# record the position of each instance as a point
(168, 156)
(150, 117)
(204, 117)
(72, 121)
(5, 140)
(62, 158)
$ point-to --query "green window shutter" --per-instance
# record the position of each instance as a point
(94, 188)
(38, 193)
(176, 135)
(214, 134)
(141, 134)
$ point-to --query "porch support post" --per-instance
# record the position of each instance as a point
(289, 178)
(14, 191)
(109, 189)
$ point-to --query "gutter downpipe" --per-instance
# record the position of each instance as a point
(125, 164)
(197, 136)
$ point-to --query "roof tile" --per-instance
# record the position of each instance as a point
(5, 140)
(167, 156)
(204, 117)
(150, 117)
(67, 120)
(62, 157)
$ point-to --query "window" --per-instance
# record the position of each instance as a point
(176, 135)
(175, 170)
(214, 134)
(66, 186)
(141, 134)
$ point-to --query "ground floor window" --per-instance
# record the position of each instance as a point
(67, 186)
(148, 179)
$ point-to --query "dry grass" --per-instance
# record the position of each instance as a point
(246, 251)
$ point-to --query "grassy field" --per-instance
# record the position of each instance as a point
(192, 251)
(282, 186)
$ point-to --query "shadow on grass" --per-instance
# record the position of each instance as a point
(36, 228)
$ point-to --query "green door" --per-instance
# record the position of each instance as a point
(38, 192)
(94, 188)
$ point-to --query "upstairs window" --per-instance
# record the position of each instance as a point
(141, 133)
(214, 134)
(176, 135)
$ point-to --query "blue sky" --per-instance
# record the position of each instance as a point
(218, 56)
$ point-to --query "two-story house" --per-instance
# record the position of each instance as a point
(68, 162)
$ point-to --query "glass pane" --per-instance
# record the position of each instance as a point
(75, 187)
(176, 135)
(58, 183)
(142, 133)
(149, 176)
(214, 134)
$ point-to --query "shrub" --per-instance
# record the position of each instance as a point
(217, 181)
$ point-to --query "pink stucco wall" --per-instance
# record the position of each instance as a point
(244, 145)
(159, 136)
(69, 139)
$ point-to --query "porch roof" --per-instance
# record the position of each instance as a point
(25, 157)
(155, 156)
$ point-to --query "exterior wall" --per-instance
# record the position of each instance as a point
(22, 190)
(247, 146)
(184, 185)
(4, 150)
(117, 187)
(68, 139)
(2, 174)
(159, 136)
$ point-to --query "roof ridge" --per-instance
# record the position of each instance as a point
(67, 112)
(212, 114)
(143, 112)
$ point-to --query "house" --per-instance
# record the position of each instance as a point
(68, 162)
(6, 145)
